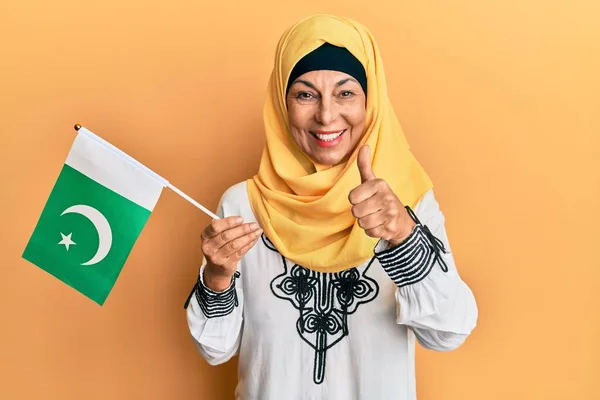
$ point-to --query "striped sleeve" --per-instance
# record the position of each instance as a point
(412, 260)
(216, 304)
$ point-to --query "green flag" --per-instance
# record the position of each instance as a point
(93, 216)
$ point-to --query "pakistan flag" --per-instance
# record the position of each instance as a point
(93, 216)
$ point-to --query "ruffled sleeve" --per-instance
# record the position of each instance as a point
(215, 319)
(431, 298)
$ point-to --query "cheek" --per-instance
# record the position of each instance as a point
(297, 117)
(297, 123)
(356, 118)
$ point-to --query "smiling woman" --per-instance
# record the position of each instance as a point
(326, 104)
(326, 115)
(319, 271)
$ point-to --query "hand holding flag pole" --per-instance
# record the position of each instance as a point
(94, 215)
(78, 128)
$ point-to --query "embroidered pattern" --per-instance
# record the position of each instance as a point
(411, 261)
(324, 301)
(215, 304)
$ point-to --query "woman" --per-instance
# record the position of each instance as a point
(319, 274)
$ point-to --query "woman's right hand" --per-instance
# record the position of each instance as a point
(224, 242)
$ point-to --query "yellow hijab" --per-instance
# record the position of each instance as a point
(303, 207)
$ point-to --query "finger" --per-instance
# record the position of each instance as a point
(372, 221)
(364, 164)
(212, 245)
(377, 232)
(367, 207)
(363, 192)
(229, 235)
(230, 252)
(242, 252)
(219, 225)
(232, 247)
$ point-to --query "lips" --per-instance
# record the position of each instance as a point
(327, 136)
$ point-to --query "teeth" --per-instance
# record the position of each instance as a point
(329, 137)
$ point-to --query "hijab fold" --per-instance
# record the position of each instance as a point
(302, 206)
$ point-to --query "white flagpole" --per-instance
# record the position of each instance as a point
(194, 202)
(133, 161)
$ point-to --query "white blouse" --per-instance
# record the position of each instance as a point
(350, 335)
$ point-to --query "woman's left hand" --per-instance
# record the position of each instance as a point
(378, 210)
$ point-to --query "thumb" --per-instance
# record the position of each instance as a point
(364, 164)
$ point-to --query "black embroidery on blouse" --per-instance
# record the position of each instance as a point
(215, 304)
(438, 245)
(324, 301)
(412, 260)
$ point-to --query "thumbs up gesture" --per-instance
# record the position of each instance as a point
(378, 210)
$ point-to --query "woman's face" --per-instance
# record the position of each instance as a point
(326, 111)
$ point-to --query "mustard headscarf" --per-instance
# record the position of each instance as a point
(303, 207)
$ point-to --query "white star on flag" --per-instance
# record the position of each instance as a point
(66, 240)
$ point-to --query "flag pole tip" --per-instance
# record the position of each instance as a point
(77, 127)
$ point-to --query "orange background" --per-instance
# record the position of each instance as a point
(499, 99)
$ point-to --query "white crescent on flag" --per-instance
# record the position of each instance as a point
(102, 226)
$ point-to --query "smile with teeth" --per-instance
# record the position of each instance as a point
(329, 137)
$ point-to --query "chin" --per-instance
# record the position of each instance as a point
(327, 156)
(328, 159)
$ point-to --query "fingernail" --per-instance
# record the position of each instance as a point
(253, 226)
(239, 220)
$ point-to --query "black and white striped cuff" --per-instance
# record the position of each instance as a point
(216, 304)
(412, 260)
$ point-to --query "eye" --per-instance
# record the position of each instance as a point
(304, 96)
(346, 94)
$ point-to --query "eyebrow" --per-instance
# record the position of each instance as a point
(310, 85)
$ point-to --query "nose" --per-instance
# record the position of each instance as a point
(327, 111)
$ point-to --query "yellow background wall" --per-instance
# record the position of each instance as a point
(499, 99)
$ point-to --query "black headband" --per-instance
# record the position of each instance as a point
(330, 57)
